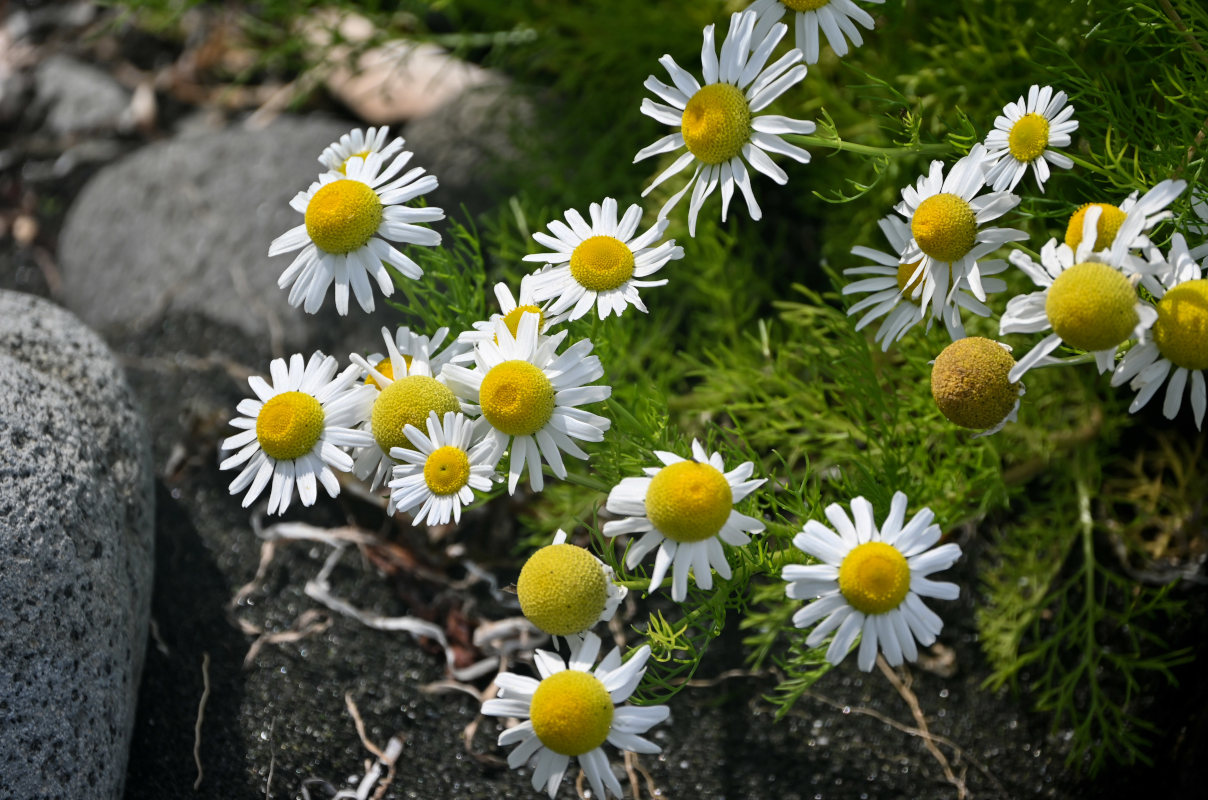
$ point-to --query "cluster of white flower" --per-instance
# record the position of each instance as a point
(432, 418)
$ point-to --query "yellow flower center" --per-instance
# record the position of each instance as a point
(1181, 332)
(447, 470)
(343, 170)
(386, 367)
(805, 5)
(343, 216)
(516, 398)
(969, 383)
(716, 123)
(288, 425)
(513, 317)
(874, 577)
(571, 712)
(601, 263)
(1091, 306)
(689, 501)
(408, 401)
(1105, 230)
(562, 589)
(944, 226)
(1029, 137)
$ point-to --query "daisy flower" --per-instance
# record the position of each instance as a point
(895, 289)
(1087, 300)
(406, 393)
(685, 509)
(572, 711)
(717, 125)
(348, 220)
(408, 343)
(1023, 134)
(1136, 217)
(441, 472)
(600, 264)
(870, 581)
(970, 386)
(511, 309)
(564, 590)
(528, 393)
(292, 431)
(837, 18)
(945, 217)
(1176, 347)
(359, 144)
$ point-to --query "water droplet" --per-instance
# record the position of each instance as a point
(943, 692)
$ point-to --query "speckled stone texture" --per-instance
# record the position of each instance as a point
(76, 531)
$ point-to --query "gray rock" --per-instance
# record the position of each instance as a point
(76, 516)
(183, 228)
(468, 142)
(78, 97)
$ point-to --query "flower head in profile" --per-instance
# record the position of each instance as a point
(441, 471)
(1128, 223)
(946, 215)
(836, 18)
(895, 289)
(359, 143)
(349, 221)
(511, 309)
(1175, 350)
(565, 590)
(719, 129)
(405, 393)
(528, 394)
(601, 264)
(1023, 136)
(970, 386)
(871, 582)
(572, 711)
(685, 509)
(292, 432)
(1087, 300)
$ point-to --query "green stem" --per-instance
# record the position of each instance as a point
(870, 150)
(580, 480)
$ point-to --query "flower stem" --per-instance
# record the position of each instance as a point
(870, 150)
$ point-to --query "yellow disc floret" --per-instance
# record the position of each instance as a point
(343, 169)
(513, 317)
(689, 501)
(407, 401)
(342, 216)
(288, 425)
(874, 577)
(571, 712)
(601, 263)
(516, 398)
(1091, 306)
(1105, 230)
(562, 589)
(905, 285)
(386, 368)
(716, 123)
(447, 470)
(805, 5)
(1028, 137)
(944, 226)
(1181, 332)
(969, 383)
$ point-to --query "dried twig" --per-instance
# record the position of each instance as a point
(912, 700)
(201, 713)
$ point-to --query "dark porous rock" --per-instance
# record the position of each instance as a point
(79, 98)
(183, 227)
(76, 515)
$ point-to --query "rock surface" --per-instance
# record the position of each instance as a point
(79, 97)
(183, 227)
(76, 513)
